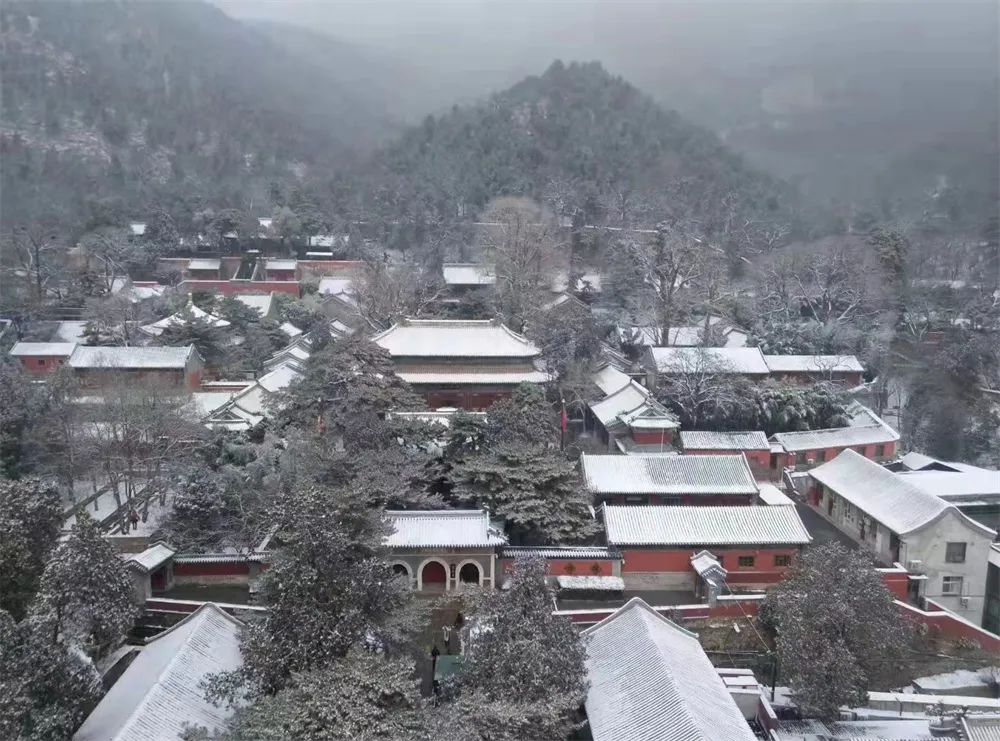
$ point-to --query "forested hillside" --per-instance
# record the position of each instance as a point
(577, 138)
(162, 105)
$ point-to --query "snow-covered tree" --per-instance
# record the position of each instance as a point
(30, 517)
(363, 695)
(697, 385)
(347, 386)
(525, 418)
(328, 589)
(535, 490)
(85, 595)
(524, 669)
(46, 690)
(835, 627)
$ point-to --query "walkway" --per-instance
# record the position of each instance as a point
(821, 530)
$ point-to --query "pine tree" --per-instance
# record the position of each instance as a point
(85, 596)
(30, 518)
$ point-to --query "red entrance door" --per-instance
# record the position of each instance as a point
(434, 576)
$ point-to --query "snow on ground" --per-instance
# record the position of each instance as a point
(952, 683)
(157, 514)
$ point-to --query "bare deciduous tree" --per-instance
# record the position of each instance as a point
(521, 240)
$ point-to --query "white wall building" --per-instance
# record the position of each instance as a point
(900, 522)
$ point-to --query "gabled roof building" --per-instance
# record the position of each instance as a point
(651, 679)
(161, 691)
(443, 550)
(669, 479)
(663, 547)
(901, 523)
(467, 364)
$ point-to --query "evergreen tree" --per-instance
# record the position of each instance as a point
(85, 595)
(30, 518)
(836, 629)
(524, 668)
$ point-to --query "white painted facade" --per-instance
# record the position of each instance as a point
(924, 550)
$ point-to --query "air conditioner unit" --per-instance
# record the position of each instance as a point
(915, 566)
(964, 602)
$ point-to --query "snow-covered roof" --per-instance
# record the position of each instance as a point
(864, 427)
(835, 437)
(204, 263)
(260, 302)
(740, 360)
(454, 338)
(917, 461)
(70, 331)
(707, 566)
(323, 240)
(704, 526)
(660, 474)
(980, 728)
(138, 228)
(650, 679)
(609, 379)
(772, 495)
(956, 486)
(468, 274)
(290, 329)
(191, 312)
(43, 349)
(279, 264)
(495, 376)
(130, 358)
(560, 552)
(748, 440)
(443, 529)
(813, 364)
(440, 416)
(161, 690)
(152, 558)
(335, 285)
(625, 399)
(591, 582)
(888, 498)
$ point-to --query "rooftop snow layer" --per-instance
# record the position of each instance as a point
(703, 526)
(658, 474)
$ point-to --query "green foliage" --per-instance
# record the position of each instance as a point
(521, 644)
(45, 690)
(836, 628)
(524, 417)
(211, 342)
(30, 519)
(363, 695)
(346, 390)
(576, 124)
(535, 490)
(85, 595)
(163, 104)
(328, 589)
(20, 403)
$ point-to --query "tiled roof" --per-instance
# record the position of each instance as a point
(772, 495)
(161, 691)
(591, 582)
(153, 557)
(667, 474)
(741, 360)
(625, 399)
(609, 379)
(443, 529)
(696, 440)
(260, 302)
(890, 499)
(444, 338)
(560, 552)
(280, 264)
(130, 358)
(704, 526)
(468, 274)
(813, 364)
(956, 486)
(836, 437)
(458, 375)
(43, 349)
(981, 728)
(189, 313)
(650, 679)
(707, 565)
(204, 263)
